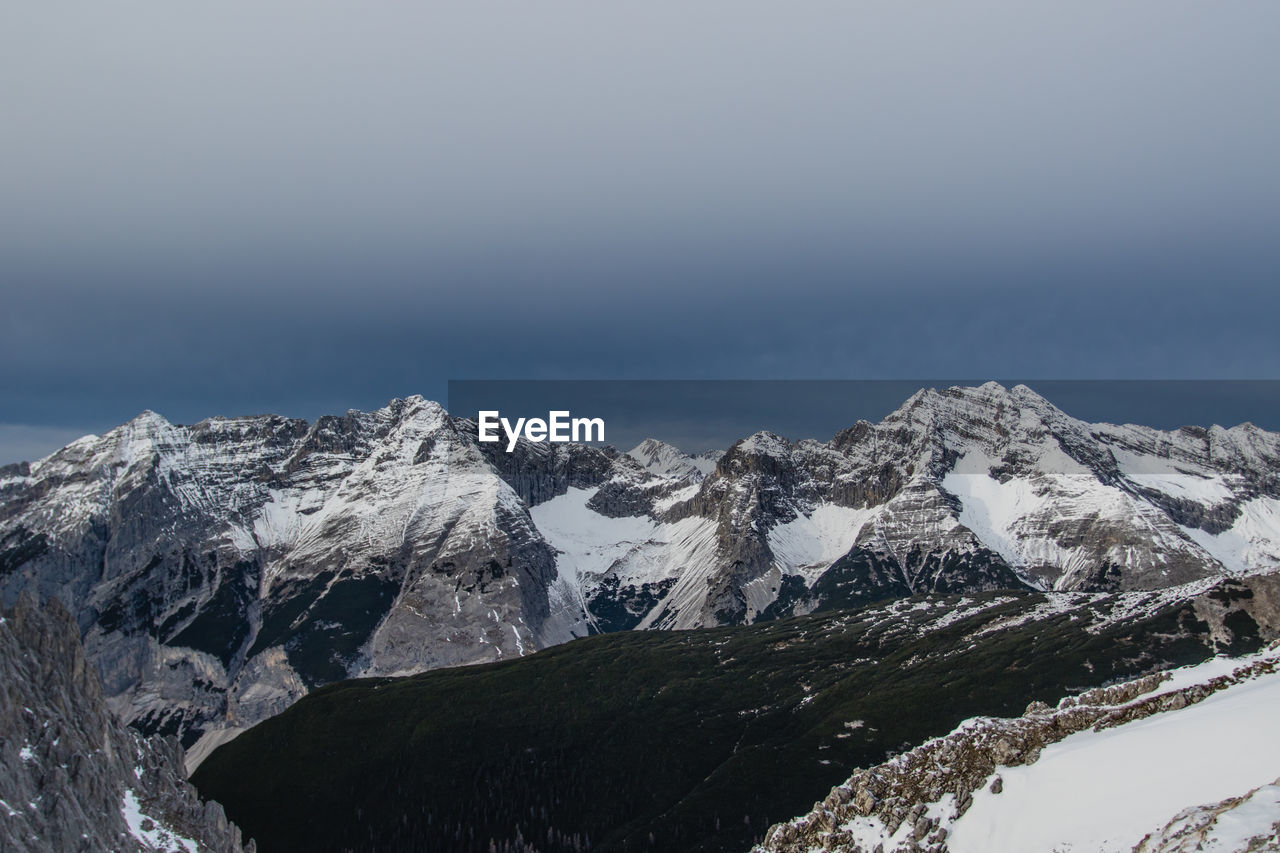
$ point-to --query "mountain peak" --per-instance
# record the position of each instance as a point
(147, 419)
(764, 443)
(930, 405)
(665, 460)
(651, 445)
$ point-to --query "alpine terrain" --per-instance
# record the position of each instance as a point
(671, 741)
(219, 572)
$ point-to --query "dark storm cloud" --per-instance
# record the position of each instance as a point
(302, 207)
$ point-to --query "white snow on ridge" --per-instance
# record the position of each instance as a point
(808, 545)
(687, 552)
(280, 523)
(1162, 474)
(1252, 543)
(1015, 519)
(765, 443)
(1205, 490)
(1207, 768)
(1130, 780)
(388, 497)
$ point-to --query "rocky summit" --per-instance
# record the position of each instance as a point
(220, 571)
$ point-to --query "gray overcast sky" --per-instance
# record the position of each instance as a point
(308, 206)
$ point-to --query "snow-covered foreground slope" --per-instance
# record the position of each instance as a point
(1190, 757)
(1249, 823)
(1132, 779)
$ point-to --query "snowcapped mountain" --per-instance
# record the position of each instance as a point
(1141, 766)
(959, 490)
(220, 571)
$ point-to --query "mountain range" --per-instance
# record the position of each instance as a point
(221, 571)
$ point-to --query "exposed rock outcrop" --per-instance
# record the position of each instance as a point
(72, 777)
(1223, 826)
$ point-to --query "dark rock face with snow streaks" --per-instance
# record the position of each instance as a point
(71, 776)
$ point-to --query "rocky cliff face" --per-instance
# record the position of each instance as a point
(220, 571)
(71, 776)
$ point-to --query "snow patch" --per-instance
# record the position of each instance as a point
(1016, 519)
(809, 544)
(588, 542)
(991, 509)
(636, 550)
(765, 444)
(151, 833)
(1203, 490)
